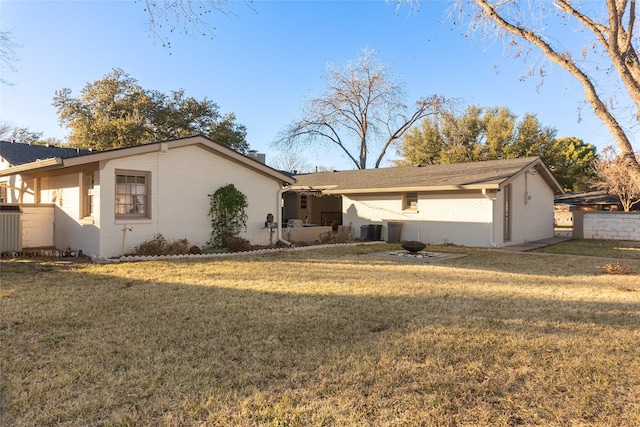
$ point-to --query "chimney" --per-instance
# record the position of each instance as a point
(260, 157)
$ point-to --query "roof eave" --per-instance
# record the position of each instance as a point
(38, 165)
(425, 189)
(145, 149)
(548, 177)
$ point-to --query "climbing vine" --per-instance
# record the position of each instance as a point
(228, 216)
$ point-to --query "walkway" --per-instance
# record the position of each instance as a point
(527, 246)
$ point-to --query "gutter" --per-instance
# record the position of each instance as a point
(281, 191)
(468, 187)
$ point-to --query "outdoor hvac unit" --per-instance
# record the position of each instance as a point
(10, 229)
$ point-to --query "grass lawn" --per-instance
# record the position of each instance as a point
(322, 337)
(626, 249)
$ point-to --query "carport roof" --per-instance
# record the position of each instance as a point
(489, 175)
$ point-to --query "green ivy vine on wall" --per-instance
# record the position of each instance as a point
(228, 216)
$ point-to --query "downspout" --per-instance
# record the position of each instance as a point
(492, 231)
(281, 191)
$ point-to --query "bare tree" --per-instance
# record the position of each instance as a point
(615, 178)
(8, 55)
(611, 35)
(290, 162)
(361, 109)
(5, 130)
(183, 16)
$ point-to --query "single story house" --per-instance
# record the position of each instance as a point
(589, 201)
(108, 202)
(483, 204)
(12, 188)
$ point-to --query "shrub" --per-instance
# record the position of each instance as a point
(326, 238)
(228, 215)
(238, 244)
(158, 245)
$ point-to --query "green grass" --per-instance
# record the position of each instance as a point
(624, 249)
(322, 337)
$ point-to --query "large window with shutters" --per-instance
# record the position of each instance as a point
(132, 194)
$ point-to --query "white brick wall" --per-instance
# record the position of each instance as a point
(37, 226)
(611, 225)
(462, 219)
(181, 181)
(70, 230)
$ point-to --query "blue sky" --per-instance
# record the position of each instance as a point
(265, 60)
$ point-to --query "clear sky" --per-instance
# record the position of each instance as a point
(267, 58)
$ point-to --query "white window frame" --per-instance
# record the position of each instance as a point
(88, 186)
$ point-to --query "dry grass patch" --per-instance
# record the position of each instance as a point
(322, 337)
(626, 249)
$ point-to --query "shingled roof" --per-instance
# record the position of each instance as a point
(460, 176)
(16, 153)
(72, 158)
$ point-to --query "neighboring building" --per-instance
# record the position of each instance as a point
(589, 201)
(482, 204)
(12, 188)
(107, 202)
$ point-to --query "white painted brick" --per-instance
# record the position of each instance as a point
(612, 225)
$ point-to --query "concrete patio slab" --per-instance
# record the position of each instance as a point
(527, 246)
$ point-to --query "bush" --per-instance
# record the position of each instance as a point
(326, 238)
(158, 245)
(238, 244)
(228, 215)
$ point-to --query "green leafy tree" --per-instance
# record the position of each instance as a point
(422, 145)
(476, 134)
(499, 130)
(228, 214)
(116, 111)
(573, 164)
(495, 133)
(532, 139)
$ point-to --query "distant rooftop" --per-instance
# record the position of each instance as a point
(16, 153)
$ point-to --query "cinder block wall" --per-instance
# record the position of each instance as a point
(608, 225)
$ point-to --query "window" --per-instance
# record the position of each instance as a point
(303, 201)
(410, 201)
(132, 194)
(3, 192)
(87, 194)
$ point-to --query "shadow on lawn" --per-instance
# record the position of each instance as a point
(537, 266)
(123, 350)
